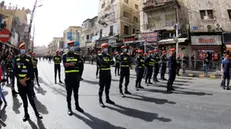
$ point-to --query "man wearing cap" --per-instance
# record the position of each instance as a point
(72, 63)
(149, 62)
(140, 64)
(164, 60)
(172, 65)
(24, 73)
(124, 70)
(156, 65)
(117, 64)
(105, 62)
(57, 60)
(35, 67)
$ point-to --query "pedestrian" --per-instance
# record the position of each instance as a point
(117, 63)
(172, 66)
(24, 73)
(206, 63)
(125, 64)
(105, 62)
(1, 92)
(226, 65)
(164, 61)
(72, 63)
(35, 67)
(57, 68)
(156, 65)
(149, 62)
(140, 64)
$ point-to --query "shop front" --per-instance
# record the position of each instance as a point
(203, 45)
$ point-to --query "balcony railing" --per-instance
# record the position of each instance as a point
(151, 4)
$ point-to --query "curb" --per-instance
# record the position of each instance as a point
(212, 76)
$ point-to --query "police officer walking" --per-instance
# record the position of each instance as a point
(140, 64)
(156, 65)
(24, 73)
(164, 60)
(105, 62)
(172, 66)
(72, 63)
(10, 74)
(149, 62)
(124, 71)
(57, 60)
(35, 67)
(117, 64)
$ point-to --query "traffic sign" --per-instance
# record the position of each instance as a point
(4, 35)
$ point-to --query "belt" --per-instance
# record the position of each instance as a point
(71, 71)
(105, 69)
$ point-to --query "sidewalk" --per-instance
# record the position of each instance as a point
(190, 73)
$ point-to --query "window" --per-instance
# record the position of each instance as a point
(111, 31)
(126, 30)
(126, 14)
(103, 5)
(126, 1)
(100, 33)
(134, 31)
(136, 19)
(136, 6)
(206, 14)
(112, 1)
(87, 37)
(170, 19)
(229, 13)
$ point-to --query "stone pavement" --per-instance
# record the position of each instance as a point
(196, 104)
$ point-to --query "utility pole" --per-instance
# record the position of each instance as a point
(33, 38)
(30, 24)
(176, 39)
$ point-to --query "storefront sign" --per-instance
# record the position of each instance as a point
(129, 39)
(206, 40)
(4, 35)
(111, 41)
(150, 36)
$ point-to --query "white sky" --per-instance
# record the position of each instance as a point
(56, 15)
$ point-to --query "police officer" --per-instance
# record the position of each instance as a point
(72, 63)
(225, 67)
(97, 65)
(164, 61)
(23, 69)
(57, 60)
(172, 65)
(156, 65)
(149, 62)
(10, 74)
(124, 70)
(35, 67)
(117, 64)
(140, 64)
(105, 62)
(178, 61)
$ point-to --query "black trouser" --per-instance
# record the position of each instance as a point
(124, 73)
(225, 77)
(171, 79)
(10, 76)
(139, 76)
(35, 70)
(27, 92)
(104, 82)
(178, 69)
(156, 71)
(163, 70)
(57, 69)
(72, 81)
(97, 70)
(117, 68)
(148, 74)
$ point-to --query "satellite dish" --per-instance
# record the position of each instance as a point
(2, 4)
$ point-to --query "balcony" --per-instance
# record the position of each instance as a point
(157, 4)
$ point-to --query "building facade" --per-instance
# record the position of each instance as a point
(72, 33)
(56, 44)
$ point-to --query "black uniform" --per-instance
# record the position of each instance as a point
(57, 61)
(105, 62)
(117, 65)
(35, 69)
(10, 74)
(140, 64)
(72, 78)
(149, 62)
(23, 68)
(164, 60)
(124, 72)
(156, 67)
(172, 66)
(97, 66)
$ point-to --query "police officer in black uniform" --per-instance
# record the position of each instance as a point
(105, 62)
(164, 61)
(124, 70)
(72, 63)
(97, 65)
(149, 62)
(10, 74)
(23, 69)
(140, 64)
(57, 60)
(156, 65)
(172, 66)
(117, 64)
(35, 67)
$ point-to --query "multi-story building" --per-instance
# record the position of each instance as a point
(56, 44)
(72, 33)
(89, 34)
(117, 18)
(40, 50)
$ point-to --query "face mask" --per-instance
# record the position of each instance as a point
(22, 51)
(105, 50)
(125, 50)
(72, 48)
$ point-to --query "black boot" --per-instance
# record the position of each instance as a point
(60, 81)
(26, 117)
(109, 101)
(78, 108)
(70, 113)
(101, 102)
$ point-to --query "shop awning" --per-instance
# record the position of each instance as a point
(136, 41)
(172, 41)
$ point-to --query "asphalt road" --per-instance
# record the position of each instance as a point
(196, 104)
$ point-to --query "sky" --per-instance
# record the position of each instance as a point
(54, 16)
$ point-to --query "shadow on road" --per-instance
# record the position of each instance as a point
(91, 82)
(39, 123)
(150, 99)
(41, 108)
(96, 123)
(3, 114)
(146, 116)
(42, 81)
(62, 84)
(40, 90)
(16, 105)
